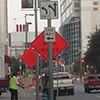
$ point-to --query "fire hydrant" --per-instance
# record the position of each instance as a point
(45, 96)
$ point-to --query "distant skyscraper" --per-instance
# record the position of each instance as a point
(78, 18)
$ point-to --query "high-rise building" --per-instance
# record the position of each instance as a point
(2, 37)
(78, 19)
(4, 49)
(17, 42)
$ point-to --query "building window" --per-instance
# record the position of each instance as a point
(77, 5)
(95, 3)
(95, 6)
(76, 10)
(95, 9)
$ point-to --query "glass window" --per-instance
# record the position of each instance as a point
(61, 76)
(76, 10)
(76, 4)
(95, 3)
(95, 9)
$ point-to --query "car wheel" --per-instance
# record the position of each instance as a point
(0, 93)
(72, 92)
(88, 90)
(54, 97)
(85, 89)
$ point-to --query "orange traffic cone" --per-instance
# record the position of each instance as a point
(75, 79)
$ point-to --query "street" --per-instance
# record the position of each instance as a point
(81, 95)
(29, 94)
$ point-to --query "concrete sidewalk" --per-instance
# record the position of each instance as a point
(23, 94)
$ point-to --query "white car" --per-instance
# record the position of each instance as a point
(62, 81)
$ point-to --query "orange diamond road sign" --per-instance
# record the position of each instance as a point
(42, 47)
(29, 57)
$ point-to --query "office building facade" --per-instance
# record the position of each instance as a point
(17, 42)
(78, 19)
(4, 49)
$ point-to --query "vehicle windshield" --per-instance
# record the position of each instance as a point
(94, 77)
(61, 76)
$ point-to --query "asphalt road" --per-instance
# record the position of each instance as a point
(81, 95)
(29, 94)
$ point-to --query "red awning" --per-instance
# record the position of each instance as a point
(7, 59)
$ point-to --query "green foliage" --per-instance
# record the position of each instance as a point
(15, 64)
(76, 67)
(92, 55)
(44, 64)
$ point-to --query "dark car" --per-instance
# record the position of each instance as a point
(4, 85)
(92, 83)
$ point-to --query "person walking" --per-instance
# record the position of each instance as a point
(13, 87)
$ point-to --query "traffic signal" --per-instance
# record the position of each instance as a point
(83, 61)
(18, 72)
(88, 71)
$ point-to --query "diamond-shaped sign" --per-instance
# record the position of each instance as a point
(42, 47)
(29, 57)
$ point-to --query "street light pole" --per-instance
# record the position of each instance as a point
(26, 24)
(20, 66)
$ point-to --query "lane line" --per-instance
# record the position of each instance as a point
(97, 96)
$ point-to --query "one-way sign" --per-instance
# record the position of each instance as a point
(49, 9)
(49, 34)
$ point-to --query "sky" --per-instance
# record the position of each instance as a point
(17, 16)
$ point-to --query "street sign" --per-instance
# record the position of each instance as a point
(29, 57)
(42, 47)
(49, 34)
(49, 9)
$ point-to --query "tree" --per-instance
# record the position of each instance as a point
(15, 64)
(76, 67)
(92, 55)
(44, 64)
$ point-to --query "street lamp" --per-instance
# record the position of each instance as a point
(14, 23)
(20, 66)
(26, 24)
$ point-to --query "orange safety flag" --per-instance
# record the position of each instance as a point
(29, 85)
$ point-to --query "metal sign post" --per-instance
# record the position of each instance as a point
(50, 56)
(37, 62)
(49, 10)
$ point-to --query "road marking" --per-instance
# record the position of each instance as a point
(97, 96)
(35, 94)
(26, 95)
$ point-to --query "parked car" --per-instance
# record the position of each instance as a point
(4, 85)
(65, 83)
(92, 82)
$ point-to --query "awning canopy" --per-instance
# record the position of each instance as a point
(7, 59)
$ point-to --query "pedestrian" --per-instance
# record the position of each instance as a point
(9, 77)
(13, 87)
